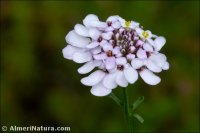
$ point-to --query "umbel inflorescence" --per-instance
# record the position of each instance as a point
(118, 49)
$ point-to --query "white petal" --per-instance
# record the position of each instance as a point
(159, 59)
(154, 36)
(89, 18)
(86, 68)
(100, 56)
(110, 62)
(165, 66)
(81, 30)
(122, 21)
(139, 30)
(141, 54)
(130, 56)
(108, 29)
(148, 47)
(139, 43)
(137, 63)
(121, 60)
(100, 90)
(107, 47)
(133, 25)
(94, 78)
(103, 42)
(116, 25)
(92, 45)
(149, 77)
(121, 80)
(96, 50)
(94, 33)
(159, 43)
(152, 66)
(97, 63)
(82, 57)
(69, 50)
(107, 36)
(127, 65)
(112, 70)
(109, 81)
(102, 66)
(136, 23)
(76, 40)
(112, 18)
(116, 50)
(131, 75)
(98, 24)
(119, 55)
(150, 41)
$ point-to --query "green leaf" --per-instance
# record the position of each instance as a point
(137, 102)
(138, 117)
(116, 99)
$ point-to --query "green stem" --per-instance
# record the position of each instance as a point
(127, 111)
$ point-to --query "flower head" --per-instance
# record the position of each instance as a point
(119, 49)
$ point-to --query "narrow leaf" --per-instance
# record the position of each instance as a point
(137, 102)
(116, 99)
(138, 117)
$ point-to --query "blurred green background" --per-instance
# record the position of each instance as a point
(40, 87)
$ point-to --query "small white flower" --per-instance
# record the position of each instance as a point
(119, 49)
(113, 23)
(144, 34)
(128, 24)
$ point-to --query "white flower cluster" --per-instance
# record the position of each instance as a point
(119, 49)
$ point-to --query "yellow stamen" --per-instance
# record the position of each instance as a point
(145, 34)
(127, 23)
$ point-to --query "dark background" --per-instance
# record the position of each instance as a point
(40, 87)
